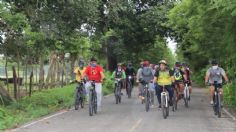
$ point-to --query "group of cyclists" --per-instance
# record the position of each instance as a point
(156, 76)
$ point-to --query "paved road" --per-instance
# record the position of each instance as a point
(130, 116)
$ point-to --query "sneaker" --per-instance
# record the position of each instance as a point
(211, 102)
(152, 106)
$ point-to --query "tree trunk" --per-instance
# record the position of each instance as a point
(41, 74)
(31, 83)
(15, 82)
(6, 74)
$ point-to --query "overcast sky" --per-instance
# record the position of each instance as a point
(172, 45)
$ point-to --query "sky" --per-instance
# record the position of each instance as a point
(172, 45)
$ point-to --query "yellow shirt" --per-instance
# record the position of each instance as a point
(79, 73)
(164, 78)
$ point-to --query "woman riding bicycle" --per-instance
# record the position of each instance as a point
(164, 78)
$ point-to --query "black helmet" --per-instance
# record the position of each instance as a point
(178, 64)
(214, 62)
(129, 64)
(184, 64)
(93, 59)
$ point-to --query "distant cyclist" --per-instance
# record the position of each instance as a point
(79, 71)
(215, 73)
(180, 78)
(119, 73)
(94, 72)
(138, 76)
(146, 75)
(164, 77)
(129, 71)
(187, 72)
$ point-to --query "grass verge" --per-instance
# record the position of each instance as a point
(40, 104)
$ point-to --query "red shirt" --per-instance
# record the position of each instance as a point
(94, 73)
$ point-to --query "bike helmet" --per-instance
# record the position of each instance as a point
(214, 62)
(177, 64)
(146, 63)
(163, 62)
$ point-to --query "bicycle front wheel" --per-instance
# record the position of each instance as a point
(147, 101)
(91, 105)
(219, 106)
(163, 106)
(129, 89)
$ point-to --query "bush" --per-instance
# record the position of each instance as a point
(230, 95)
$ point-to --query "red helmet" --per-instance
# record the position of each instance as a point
(146, 63)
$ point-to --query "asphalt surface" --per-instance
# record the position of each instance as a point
(130, 116)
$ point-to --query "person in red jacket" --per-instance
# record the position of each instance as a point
(94, 72)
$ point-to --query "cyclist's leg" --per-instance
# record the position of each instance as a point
(158, 93)
(211, 89)
(99, 94)
(87, 86)
(221, 94)
(152, 90)
(170, 91)
(140, 89)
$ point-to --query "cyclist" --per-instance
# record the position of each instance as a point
(152, 85)
(94, 72)
(140, 86)
(119, 73)
(146, 75)
(180, 79)
(79, 72)
(187, 72)
(215, 73)
(164, 77)
(129, 71)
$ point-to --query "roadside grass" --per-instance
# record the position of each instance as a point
(41, 104)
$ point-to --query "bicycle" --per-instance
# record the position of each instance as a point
(117, 91)
(79, 95)
(165, 102)
(92, 99)
(146, 95)
(129, 86)
(186, 95)
(217, 99)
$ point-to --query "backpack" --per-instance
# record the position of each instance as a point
(146, 72)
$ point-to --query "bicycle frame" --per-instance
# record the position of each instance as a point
(165, 94)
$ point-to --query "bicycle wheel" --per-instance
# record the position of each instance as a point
(147, 101)
(186, 97)
(215, 104)
(174, 102)
(91, 105)
(129, 89)
(95, 105)
(77, 101)
(219, 106)
(116, 95)
(163, 106)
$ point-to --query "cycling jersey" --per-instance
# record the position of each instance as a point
(178, 75)
(79, 73)
(118, 74)
(164, 77)
(94, 73)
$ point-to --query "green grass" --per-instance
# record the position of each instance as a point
(41, 104)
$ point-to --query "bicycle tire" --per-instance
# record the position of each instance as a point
(164, 111)
(147, 101)
(174, 102)
(95, 103)
(90, 103)
(219, 106)
(77, 102)
(129, 89)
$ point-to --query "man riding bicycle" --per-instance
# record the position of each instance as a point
(94, 72)
(146, 75)
(180, 79)
(129, 71)
(164, 78)
(119, 73)
(215, 74)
